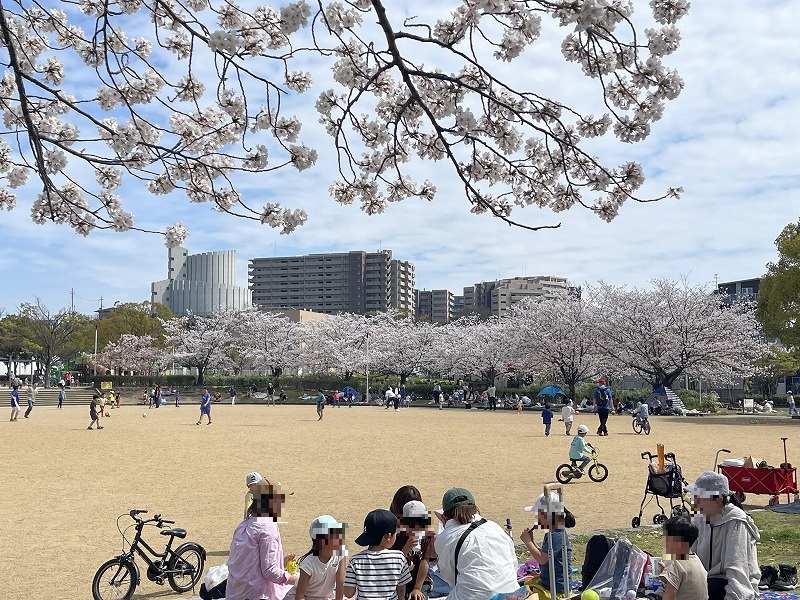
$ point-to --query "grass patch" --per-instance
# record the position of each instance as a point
(780, 540)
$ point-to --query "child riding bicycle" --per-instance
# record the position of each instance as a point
(642, 412)
(579, 447)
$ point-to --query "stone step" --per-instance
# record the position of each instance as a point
(49, 396)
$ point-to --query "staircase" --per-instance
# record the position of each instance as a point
(677, 404)
(80, 396)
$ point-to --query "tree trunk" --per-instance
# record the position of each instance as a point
(200, 373)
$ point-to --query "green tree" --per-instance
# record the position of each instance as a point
(779, 290)
(15, 341)
(49, 334)
(131, 318)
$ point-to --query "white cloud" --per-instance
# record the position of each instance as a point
(730, 140)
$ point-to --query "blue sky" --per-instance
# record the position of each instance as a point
(730, 139)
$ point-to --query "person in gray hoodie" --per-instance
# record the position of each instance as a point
(727, 541)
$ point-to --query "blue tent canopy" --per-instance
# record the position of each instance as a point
(349, 390)
(552, 391)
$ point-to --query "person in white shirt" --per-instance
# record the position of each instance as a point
(568, 415)
(485, 563)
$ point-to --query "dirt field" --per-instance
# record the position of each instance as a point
(63, 486)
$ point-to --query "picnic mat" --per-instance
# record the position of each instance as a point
(792, 508)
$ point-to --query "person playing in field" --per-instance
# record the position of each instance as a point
(93, 412)
(320, 404)
(205, 406)
(14, 403)
(579, 447)
(567, 415)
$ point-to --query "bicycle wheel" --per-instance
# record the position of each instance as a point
(564, 473)
(186, 567)
(637, 426)
(114, 580)
(646, 427)
(598, 472)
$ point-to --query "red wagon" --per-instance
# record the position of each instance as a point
(771, 481)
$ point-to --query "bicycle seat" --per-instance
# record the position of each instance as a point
(177, 532)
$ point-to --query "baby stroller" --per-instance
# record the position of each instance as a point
(668, 484)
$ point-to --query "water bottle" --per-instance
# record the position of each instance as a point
(508, 527)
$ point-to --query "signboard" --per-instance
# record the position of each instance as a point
(107, 385)
(748, 406)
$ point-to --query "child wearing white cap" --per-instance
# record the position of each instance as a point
(251, 480)
(553, 516)
(322, 568)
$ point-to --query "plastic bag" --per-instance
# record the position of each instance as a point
(215, 576)
(520, 594)
(621, 571)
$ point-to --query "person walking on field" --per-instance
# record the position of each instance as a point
(205, 406)
(14, 403)
(93, 412)
(602, 404)
(320, 404)
(62, 395)
(792, 407)
(32, 391)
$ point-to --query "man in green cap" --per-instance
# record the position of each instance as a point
(476, 556)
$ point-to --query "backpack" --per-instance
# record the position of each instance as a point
(601, 396)
(596, 550)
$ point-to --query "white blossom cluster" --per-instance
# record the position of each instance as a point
(657, 334)
(525, 147)
(201, 101)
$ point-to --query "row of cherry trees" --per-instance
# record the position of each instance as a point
(658, 334)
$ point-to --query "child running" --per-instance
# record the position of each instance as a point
(551, 514)
(377, 573)
(547, 419)
(579, 447)
(322, 569)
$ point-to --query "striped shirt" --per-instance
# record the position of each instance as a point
(376, 575)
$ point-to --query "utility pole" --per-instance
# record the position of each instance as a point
(72, 300)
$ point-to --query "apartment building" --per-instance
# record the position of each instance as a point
(436, 306)
(495, 298)
(356, 282)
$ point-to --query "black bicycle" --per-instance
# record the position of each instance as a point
(182, 567)
(641, 425)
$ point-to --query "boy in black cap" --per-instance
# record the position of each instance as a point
(377, 573)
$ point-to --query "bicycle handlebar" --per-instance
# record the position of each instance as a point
(647, 456)
(164, 521)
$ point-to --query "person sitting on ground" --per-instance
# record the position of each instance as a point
(552, 515)
(378, 571)
(251, 481)
(414, 540)
(726, 542)
(322, 569)
(684, 575)
(256, 565)
(579, 447)
(585, 403)
(476, 556)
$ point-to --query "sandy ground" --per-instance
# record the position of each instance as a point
(63, 486)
